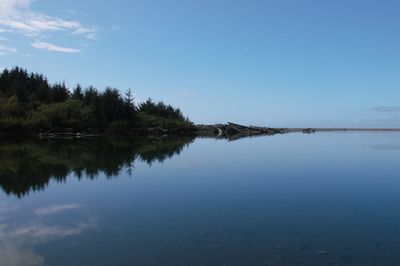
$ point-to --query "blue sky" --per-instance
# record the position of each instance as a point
(271, 62)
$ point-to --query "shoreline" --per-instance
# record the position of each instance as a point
(345, 129)
(229, 131)
(236, 131)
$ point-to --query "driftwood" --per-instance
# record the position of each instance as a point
(65, 134)
(308, 130)
(61, 135)
(233, 131)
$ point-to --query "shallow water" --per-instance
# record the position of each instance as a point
(293, 199)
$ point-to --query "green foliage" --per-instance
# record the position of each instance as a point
(28, 103)
(68, 114)
(161, 110)
(11, 107)
(155, 121)
(120, 126)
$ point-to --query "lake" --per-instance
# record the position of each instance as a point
(292, 199)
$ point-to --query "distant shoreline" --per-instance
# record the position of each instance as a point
(234, 131)
(345, 129)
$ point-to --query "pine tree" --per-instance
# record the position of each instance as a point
(77, 93)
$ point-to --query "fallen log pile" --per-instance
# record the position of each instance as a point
(235, 131)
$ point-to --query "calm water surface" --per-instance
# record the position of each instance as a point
(294, 199)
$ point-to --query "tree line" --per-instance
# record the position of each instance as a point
(28, 103)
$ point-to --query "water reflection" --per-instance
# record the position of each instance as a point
(29, 165)
(295, 199)
(19, 237)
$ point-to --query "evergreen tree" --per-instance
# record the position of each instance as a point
(77, 93)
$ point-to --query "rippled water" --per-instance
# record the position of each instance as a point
(293, 199)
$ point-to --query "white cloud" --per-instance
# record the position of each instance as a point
(13, 255)
(54, 48)
(7, 49)
(33, 24)
(5, 207)
(18, 239)
(116, 28)
(41, 232)
(56, 209)
(17, 17)
(11, 5)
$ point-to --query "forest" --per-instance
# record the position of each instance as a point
(30, 104)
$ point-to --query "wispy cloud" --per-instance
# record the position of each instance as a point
(7, 49)
(4, 207)
(387, 109)
(16, 241)
(12, 254)
(56, 209)
(10, 5)
(116, 28)
(54, 48)
(36, 230)
(41, 232)
(18, 237)
(17, 17)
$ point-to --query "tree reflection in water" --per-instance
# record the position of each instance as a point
(29, 165)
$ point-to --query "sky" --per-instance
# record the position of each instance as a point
(283, 63)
